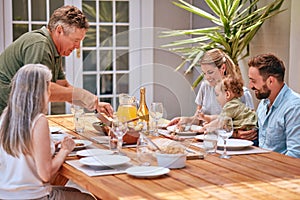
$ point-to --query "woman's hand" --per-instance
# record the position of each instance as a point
(174, 121)
(67, 144)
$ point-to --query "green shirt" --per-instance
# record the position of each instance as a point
(242, 116)
(30, 48)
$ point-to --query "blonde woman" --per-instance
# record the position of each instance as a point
(215, 65)
(26, 151)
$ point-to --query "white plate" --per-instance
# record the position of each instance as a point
(58, 137)
(199, 137)
(235, 144)
(104, 160)
(194, 130)
(147, 171)
(93, 152)
(54, 129)
(84, 143)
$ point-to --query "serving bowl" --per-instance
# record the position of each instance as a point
(172, 161)
(101, 127)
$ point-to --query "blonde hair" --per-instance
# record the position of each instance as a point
(217, 58)
(27, 99)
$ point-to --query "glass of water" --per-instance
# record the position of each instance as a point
(210, 140)
(79, 115)
(225, 131)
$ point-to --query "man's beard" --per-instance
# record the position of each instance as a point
(265, 93)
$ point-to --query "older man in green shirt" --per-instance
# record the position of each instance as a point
(66, 29)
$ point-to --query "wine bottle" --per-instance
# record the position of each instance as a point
(143, 111)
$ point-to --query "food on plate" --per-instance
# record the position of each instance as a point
(169, 146)
(182, 128)
(79, 144)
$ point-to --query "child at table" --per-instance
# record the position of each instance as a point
(26, 151)
(228, 92)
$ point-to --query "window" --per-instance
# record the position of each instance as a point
(105, 49)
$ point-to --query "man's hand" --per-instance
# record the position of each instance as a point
(105, 108)
(247, 135)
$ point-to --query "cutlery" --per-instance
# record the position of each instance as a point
(153, 143)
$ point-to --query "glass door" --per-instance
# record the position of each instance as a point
(105, 49)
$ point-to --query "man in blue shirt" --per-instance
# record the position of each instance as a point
(279, 111)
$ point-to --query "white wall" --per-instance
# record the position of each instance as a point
(294, 61)
(1, 27)
(171, 87)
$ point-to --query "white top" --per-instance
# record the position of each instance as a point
(206, 98)
(19, 178)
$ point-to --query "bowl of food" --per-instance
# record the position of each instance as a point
(101, 127)
(171, 155)
(131, 136)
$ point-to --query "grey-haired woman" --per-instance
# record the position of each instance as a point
(26, 151)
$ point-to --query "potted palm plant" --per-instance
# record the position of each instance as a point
(235, 23)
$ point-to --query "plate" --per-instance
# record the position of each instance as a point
(104, 160)
(199, 137)
(147, 171)
(93, 152)
(194, 130)
(80, 144)
(58, 137)
(54, 130)
(235, 144)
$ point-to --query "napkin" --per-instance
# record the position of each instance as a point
(244, 151)
(104, 140)
(248, 150)
(120, 169)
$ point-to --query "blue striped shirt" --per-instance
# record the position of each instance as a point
(279, 128)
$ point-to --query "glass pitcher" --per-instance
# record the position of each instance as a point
(127, 107)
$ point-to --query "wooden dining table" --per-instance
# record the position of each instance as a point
(255, 176)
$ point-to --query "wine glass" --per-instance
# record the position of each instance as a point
(156, 112)
(225, 130)
(119, 128)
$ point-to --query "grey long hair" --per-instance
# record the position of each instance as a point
(28, 98)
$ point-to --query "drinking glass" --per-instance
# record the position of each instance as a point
(210, 140)
(225, 130)
(79, 120)
(156, 112)
(119, 128)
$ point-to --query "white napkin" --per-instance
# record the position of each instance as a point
(120, 169)
(247, 150)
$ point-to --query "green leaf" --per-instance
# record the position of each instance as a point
(234, 8)
(213, 6)
(196, 10)
(198, 80)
